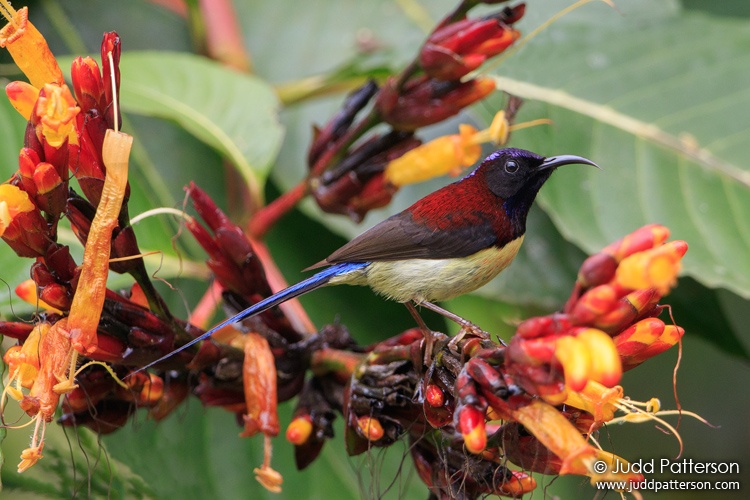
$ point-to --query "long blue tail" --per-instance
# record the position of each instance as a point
(313, 282)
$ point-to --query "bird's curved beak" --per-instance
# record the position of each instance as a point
(558, 161)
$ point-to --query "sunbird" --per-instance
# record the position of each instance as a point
(448, 243)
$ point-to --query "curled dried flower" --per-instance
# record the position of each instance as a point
(259, 380)
(88, 300)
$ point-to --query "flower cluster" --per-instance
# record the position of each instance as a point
(478, 406)
(532, 403)
(353, 170)
(78, 316)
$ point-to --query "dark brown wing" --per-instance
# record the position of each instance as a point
(399, 238)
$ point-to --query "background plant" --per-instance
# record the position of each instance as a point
(654, 94)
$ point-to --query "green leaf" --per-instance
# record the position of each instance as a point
(75, 462)
(668, 118)
(11, 140)
(234, 113)
(15, 269)
(196, 453)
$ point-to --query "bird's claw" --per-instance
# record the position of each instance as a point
(467, 328)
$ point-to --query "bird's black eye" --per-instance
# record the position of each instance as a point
(511, 166)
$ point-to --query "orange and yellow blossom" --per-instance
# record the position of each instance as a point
(22, 226)
(55, 111)
(13, 201)
(562, 438)
(448, 154)
(28, 47)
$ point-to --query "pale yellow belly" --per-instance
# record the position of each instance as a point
(433, 280)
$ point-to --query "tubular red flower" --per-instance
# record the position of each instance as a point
(87, 84)
(22, 225)
(471, 424)
(454, 50)
(423, 101)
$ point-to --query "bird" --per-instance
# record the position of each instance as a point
(451, 242)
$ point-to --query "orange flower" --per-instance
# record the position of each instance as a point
(23, 362)
(46, 355)
(259, 379)
(449, 154)
(299, 430)
(56, 110)
(21, 224)
(13, 201)
(561, 437)
(28, 47)
(22, 97)
(598, 400)
(88, 300)
(30, 456)
(443, 155)
(654, 268)
(589, 355)
(26, 290)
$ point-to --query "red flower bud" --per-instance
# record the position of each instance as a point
(629, 308)
(111, 44)
(356, 184)
(21, 223)
(434, 396)
(299, 430)
(594, 304)
(370, 428)
(541, 326)
(28, 159)
(598, 269)
(108, 348)
(471, 424)
(56, 295)
(51, 189)
(339, 124)
(454, 50)
(16, 330)
(87, 84)
(124, 244)
(641, 239)
(634, 339)
(423, 101)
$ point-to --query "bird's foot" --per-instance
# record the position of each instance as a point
(429, 335)
(467, 328)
